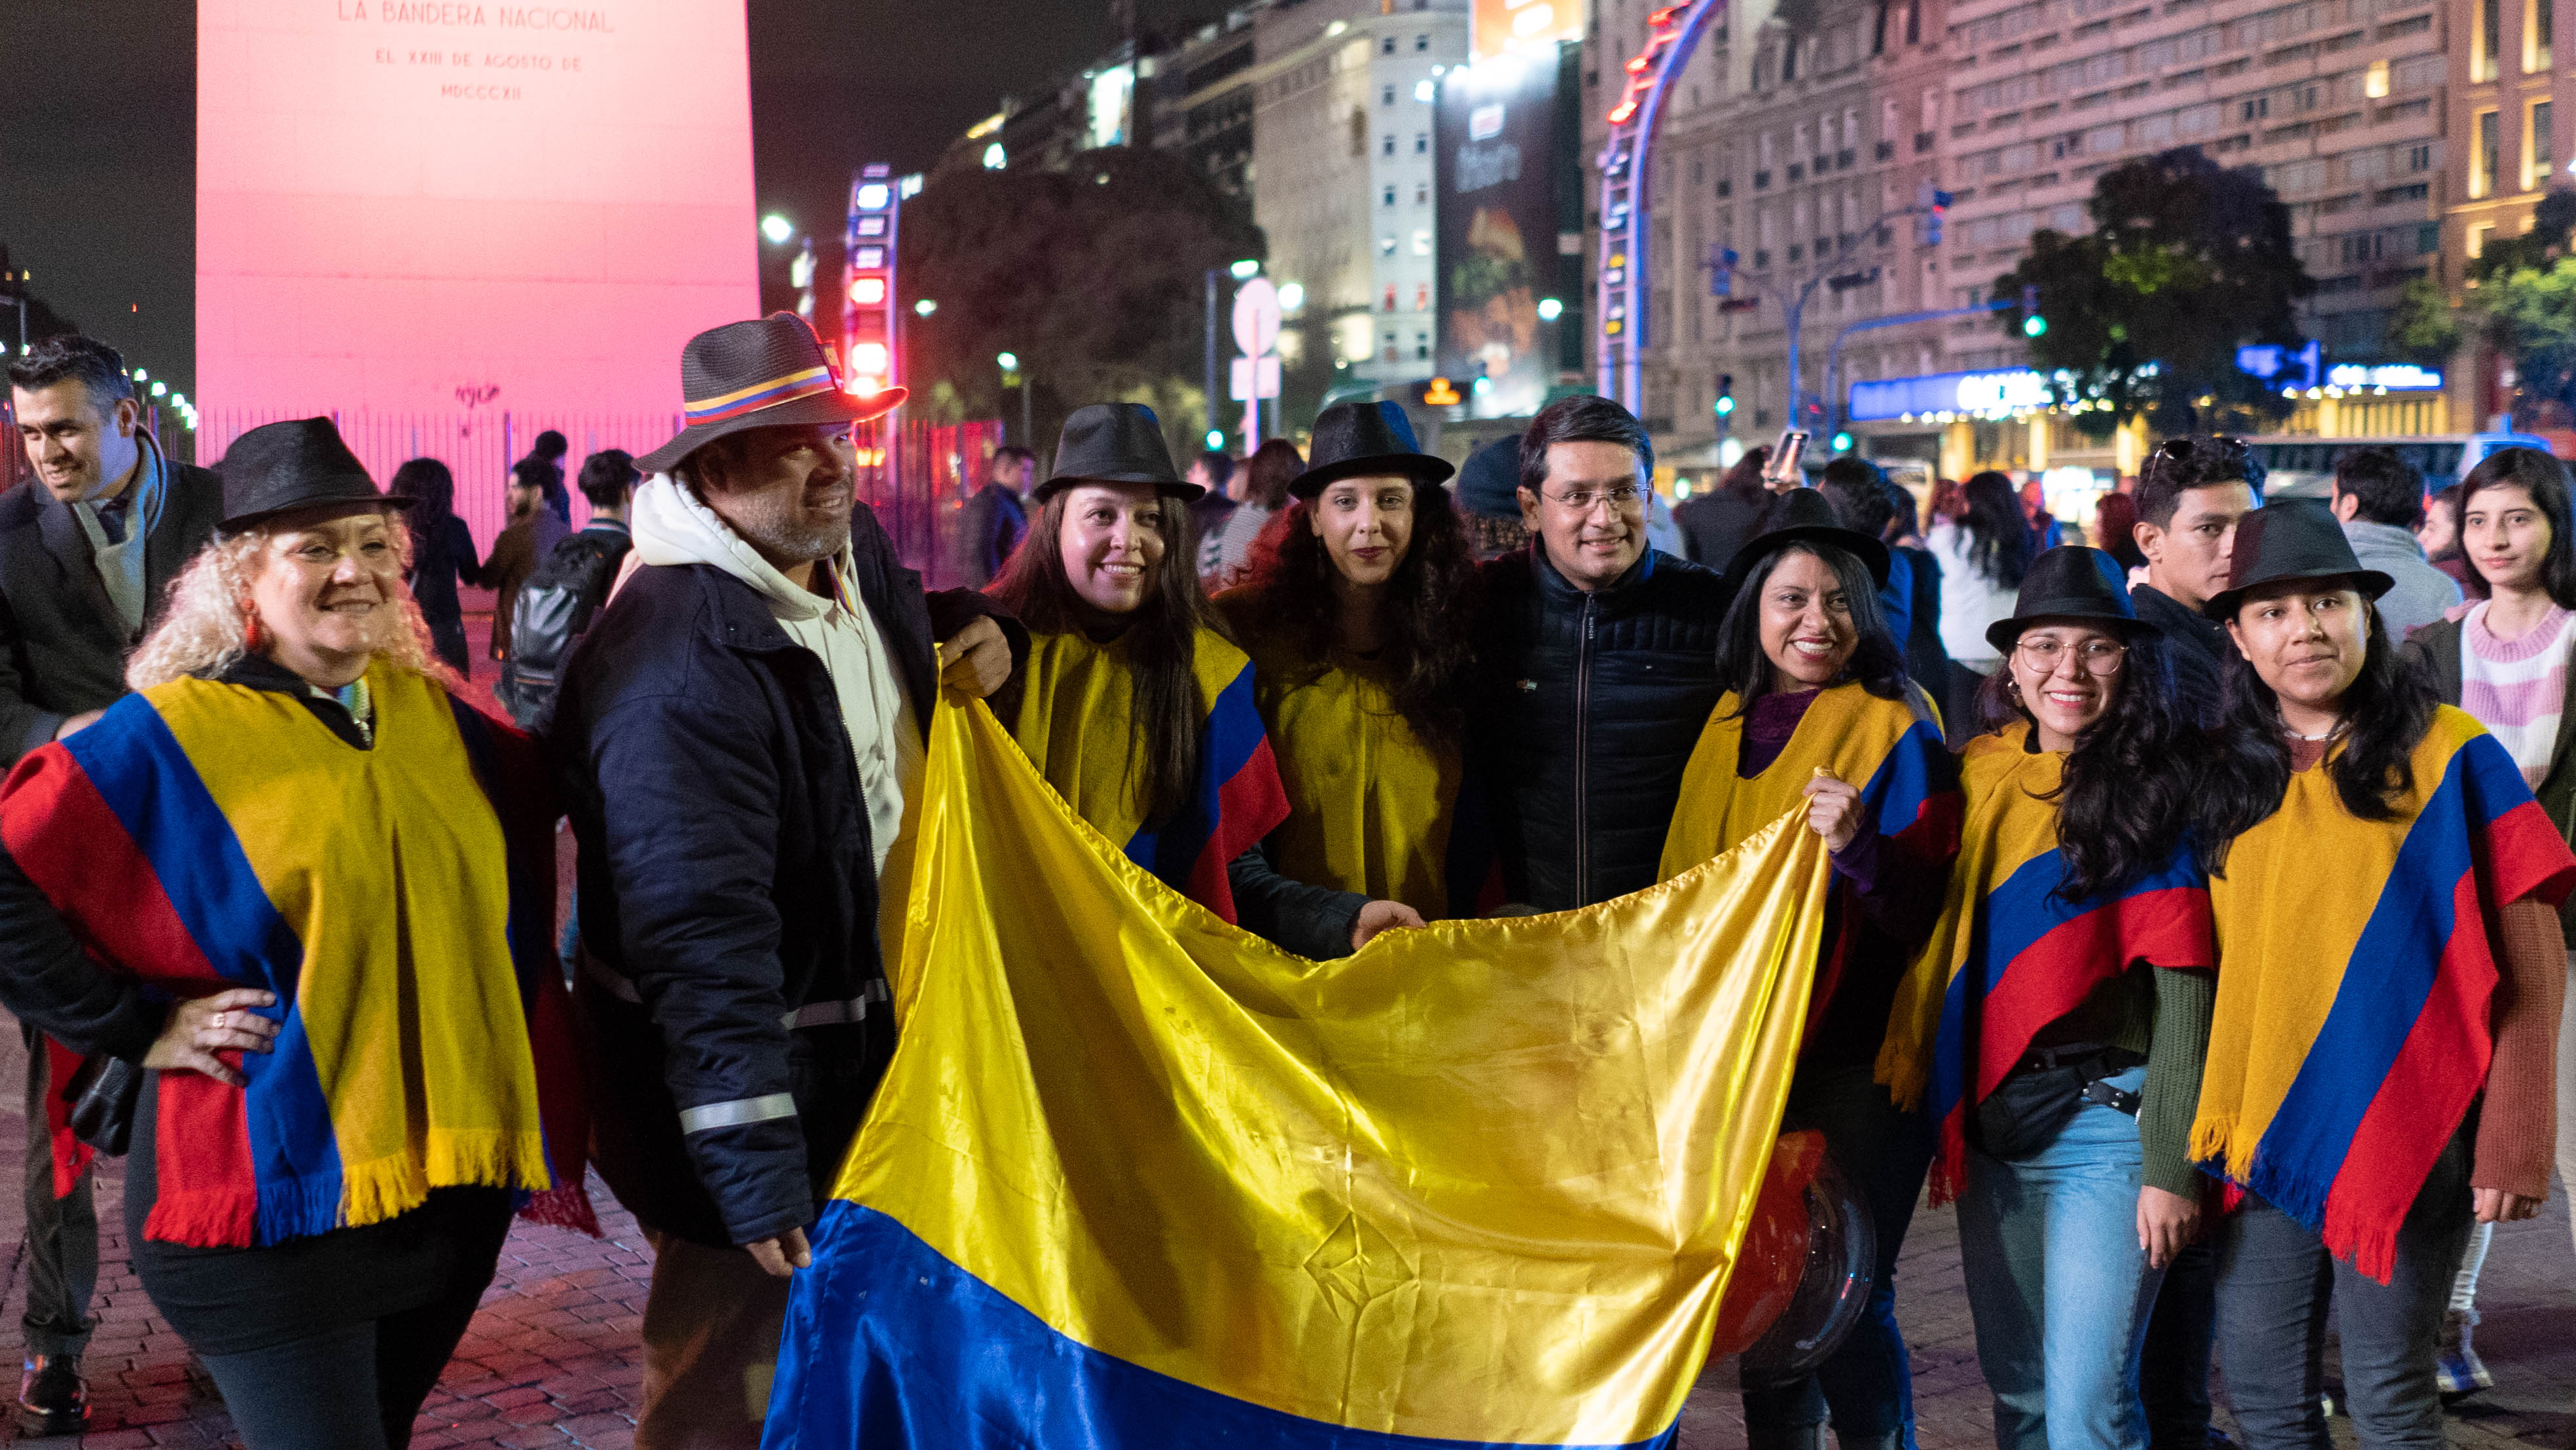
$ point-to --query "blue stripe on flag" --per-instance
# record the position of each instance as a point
(890, 1346)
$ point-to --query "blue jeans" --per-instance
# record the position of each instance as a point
(2276, 1283)
(2057, 1285)
(1884, 1153)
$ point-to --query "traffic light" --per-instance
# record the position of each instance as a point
(1935, 204)
(1725, 404)
(870, 355)
(1721, 271)
(1843, 441)
(2032, 323)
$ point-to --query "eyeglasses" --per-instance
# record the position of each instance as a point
(1584, 500)
(2094, 656)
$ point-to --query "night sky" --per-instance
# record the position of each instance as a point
(98, 105)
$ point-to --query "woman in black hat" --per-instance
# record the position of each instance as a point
(2382, 1049)
(1139, 706)
(1357, 618)
(1818, 715)
(2055, 1026)
(327, 954)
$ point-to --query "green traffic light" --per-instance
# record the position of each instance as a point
(1842, 442)
(1725, 405)
(2034, 325)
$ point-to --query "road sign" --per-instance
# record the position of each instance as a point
(1255, 377)
(1256, 316)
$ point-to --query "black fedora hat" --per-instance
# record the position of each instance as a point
(2071, 584)
(766, 373)
(1114, 443)
(1353, 440)
(2296, 538)
(1804, 516)
(295, 467)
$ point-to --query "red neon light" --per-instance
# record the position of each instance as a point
(868, 291)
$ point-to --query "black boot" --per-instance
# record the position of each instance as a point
(52, 1400)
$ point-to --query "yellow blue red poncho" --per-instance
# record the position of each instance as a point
(2359, 960)
(204, 835)
(2009, 956)
(1077, 723)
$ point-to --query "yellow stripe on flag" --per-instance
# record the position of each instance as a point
(1484, 1181)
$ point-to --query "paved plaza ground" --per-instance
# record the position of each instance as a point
(552, 1359)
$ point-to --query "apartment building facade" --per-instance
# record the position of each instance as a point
(1343, 174)
(2512, 84)
(2015, 107)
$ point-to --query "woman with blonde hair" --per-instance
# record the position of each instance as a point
(295, 897)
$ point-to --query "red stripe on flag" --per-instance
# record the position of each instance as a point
(1250, 805)
(208, 1195)
(63, 834)
(2053, 975)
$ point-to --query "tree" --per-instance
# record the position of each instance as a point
(2187, 261)
(1094, 277)
(2520, 299)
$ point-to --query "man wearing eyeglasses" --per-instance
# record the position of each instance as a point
(2192, 494)
(1596, 666)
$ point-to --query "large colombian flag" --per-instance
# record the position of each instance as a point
(1136, 1178)
(2352, 1023)
(2010, 955)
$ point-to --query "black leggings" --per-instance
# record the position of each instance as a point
(352, 1387)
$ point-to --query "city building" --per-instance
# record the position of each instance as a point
(1342, 174)
(1203, 102)
(1848, 111)
(2511, 87)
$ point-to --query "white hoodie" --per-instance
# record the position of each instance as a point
(672, 527)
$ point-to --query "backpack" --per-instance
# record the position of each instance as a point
(552, 611)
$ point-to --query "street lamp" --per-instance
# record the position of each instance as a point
(1009, 363)
(777, 228)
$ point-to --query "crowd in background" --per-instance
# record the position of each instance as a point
(2081, 975)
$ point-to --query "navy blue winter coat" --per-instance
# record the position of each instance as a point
(734, 987)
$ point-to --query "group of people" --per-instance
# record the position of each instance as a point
(2209, 959)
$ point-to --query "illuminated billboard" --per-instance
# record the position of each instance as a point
(1497, 231)
(428, 205)
(1523, 27)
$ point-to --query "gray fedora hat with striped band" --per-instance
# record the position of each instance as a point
(766, 373)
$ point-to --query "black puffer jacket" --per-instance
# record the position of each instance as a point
(1587, 709)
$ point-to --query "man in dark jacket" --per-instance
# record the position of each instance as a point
(86, 552)
(739, 733)
(996, 518)
(2192, 494)
(1597, 667)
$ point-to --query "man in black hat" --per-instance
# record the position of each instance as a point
(740, 730)
(87, 551)
(1597, 666)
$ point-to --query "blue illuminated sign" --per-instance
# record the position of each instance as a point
(1978, 394)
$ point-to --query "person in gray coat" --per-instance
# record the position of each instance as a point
(87, 552)
(2379, 496)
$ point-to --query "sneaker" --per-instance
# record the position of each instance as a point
(52, 1399)
(2456, 1366)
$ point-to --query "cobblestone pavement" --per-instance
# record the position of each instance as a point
(552, 1359)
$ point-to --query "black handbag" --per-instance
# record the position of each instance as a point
(102, 1094)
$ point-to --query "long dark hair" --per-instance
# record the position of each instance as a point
(1162, 645)
(1426, 626)
(1875, 663)
(2545, 479)
(2388, 709)
(428, 481)
(1998, 536)
(2125, 798)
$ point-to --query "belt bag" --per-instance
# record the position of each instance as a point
(102, 1094)
(2026, 1111)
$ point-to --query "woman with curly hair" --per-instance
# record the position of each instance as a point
(2056, 1024)
(299, 895)
(1357, 619)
